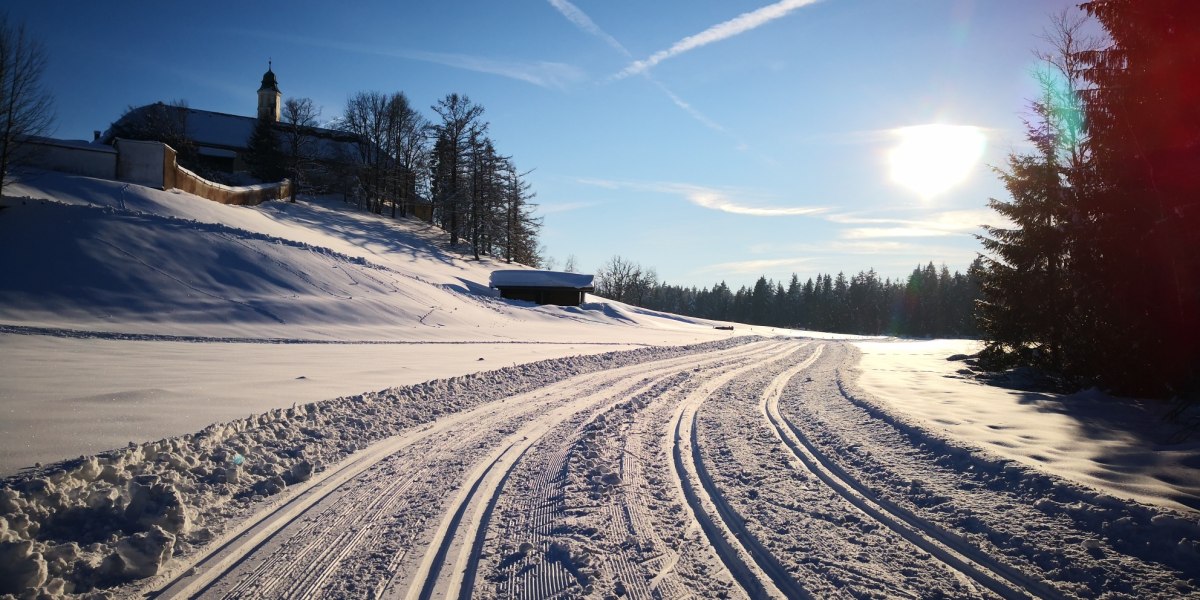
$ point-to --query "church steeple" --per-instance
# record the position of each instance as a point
(269, 95)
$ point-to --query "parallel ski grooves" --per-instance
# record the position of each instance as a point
(729, 520)
(952, 550)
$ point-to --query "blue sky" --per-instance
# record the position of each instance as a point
(709, 140)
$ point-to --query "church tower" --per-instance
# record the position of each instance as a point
(268, 96)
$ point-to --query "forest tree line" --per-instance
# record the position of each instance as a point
(930, 302)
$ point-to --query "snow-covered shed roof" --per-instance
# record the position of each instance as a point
(525, 278)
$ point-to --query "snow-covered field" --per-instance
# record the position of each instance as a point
(304, 401)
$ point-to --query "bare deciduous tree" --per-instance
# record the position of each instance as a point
(299, 117)
(366, 118)
(624, 280)
(460, 120)
(26, 109)
(408, 139)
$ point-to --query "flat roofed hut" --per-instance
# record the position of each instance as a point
(542, 287)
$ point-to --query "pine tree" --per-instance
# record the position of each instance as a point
(1032, 292)
(264, 157)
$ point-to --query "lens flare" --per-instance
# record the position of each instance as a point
(932, 159)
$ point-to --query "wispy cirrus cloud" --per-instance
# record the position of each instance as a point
(756, 266)
(837, 247)
(562, 207)
(546, 74)
(937, 224)
(689, 109)
(729, 200)
(736, 26)
(584, 22)
(581, 20)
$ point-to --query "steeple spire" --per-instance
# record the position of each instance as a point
(269, 95)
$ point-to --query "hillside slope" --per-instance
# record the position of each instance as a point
(132, 314)
(84, 254)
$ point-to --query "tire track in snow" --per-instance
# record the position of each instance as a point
(950, 549)
(451, 561)
(761, 576)
(284, 550)
(539, 513)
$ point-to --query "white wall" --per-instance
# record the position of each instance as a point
(140, 162)
(78, 159)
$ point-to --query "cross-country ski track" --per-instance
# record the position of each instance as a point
(716, 473)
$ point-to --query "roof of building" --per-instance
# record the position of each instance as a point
(84, 144)
(232, 132)
(526, 278)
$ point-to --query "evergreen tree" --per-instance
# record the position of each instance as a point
(1145, 132)
(264, 157)
(1099, 276)
(859, 304)
(1033, 294)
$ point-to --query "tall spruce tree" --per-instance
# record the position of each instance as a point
(1145, 131)
(1033, 305)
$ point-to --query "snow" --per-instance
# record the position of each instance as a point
(302, 400)
(532, 278)
(187, 312)
(1122, 447)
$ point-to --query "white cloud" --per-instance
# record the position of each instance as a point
(580, 19)
(547, 74)
(695, 114)
(945, 223)
(721, 31)
(562, 207)
(719, 200)
(540, 73)
(756, 267)
(584, 22)
(859, 233)
(727, 200)
(840, 247)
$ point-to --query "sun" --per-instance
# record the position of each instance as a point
(932, 159)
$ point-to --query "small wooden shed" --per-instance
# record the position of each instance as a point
(542, 287)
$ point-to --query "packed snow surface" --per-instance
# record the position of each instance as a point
(300, 400)
(1127, 448)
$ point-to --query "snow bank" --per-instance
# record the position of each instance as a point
(104, 520)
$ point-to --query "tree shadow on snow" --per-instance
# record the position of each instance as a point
(366, 229)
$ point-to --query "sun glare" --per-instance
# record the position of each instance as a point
(932, 159)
